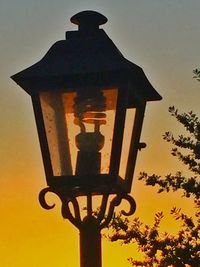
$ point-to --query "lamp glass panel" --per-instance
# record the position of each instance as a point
(128, 129)
(56, 132)
(79, 128)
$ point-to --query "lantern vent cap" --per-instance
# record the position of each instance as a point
(88, 20)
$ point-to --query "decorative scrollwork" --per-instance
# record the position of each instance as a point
(132, 205)
(102, 210)
(65, 209)
(67, 214)
(116, 202)
(102, 219)
(42, 199)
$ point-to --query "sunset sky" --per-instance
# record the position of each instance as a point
(163, 38)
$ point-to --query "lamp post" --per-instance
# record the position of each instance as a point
(89, 103)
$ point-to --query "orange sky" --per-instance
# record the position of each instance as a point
(163, 38)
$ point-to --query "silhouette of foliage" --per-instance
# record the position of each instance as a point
(162, 249)
(197, 74)
(187, 150)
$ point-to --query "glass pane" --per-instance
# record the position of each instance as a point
(56, 131)
(129, 123)
(79, 128)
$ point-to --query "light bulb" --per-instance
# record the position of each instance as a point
(89, 115)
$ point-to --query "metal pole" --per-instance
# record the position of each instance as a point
(90, 243)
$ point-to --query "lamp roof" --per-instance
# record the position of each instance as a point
(86, 56)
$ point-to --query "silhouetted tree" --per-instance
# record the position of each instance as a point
(163, 249)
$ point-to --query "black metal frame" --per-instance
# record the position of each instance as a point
(135, 145)
(101, 182)
(91, 225)
(69, 188)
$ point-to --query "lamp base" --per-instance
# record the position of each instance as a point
(91, 225)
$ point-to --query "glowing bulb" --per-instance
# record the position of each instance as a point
(89, 116)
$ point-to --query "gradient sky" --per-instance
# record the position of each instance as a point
(163, 38)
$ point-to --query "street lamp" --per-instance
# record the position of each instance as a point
(89, 104)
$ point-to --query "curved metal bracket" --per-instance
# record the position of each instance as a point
(42, 199)
(102, 217)
(65, 209)
(116, 201)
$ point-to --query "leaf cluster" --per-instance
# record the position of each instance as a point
(187, 150)
(196, 74)
(161, 249)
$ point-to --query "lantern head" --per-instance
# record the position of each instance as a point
(89, 104)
